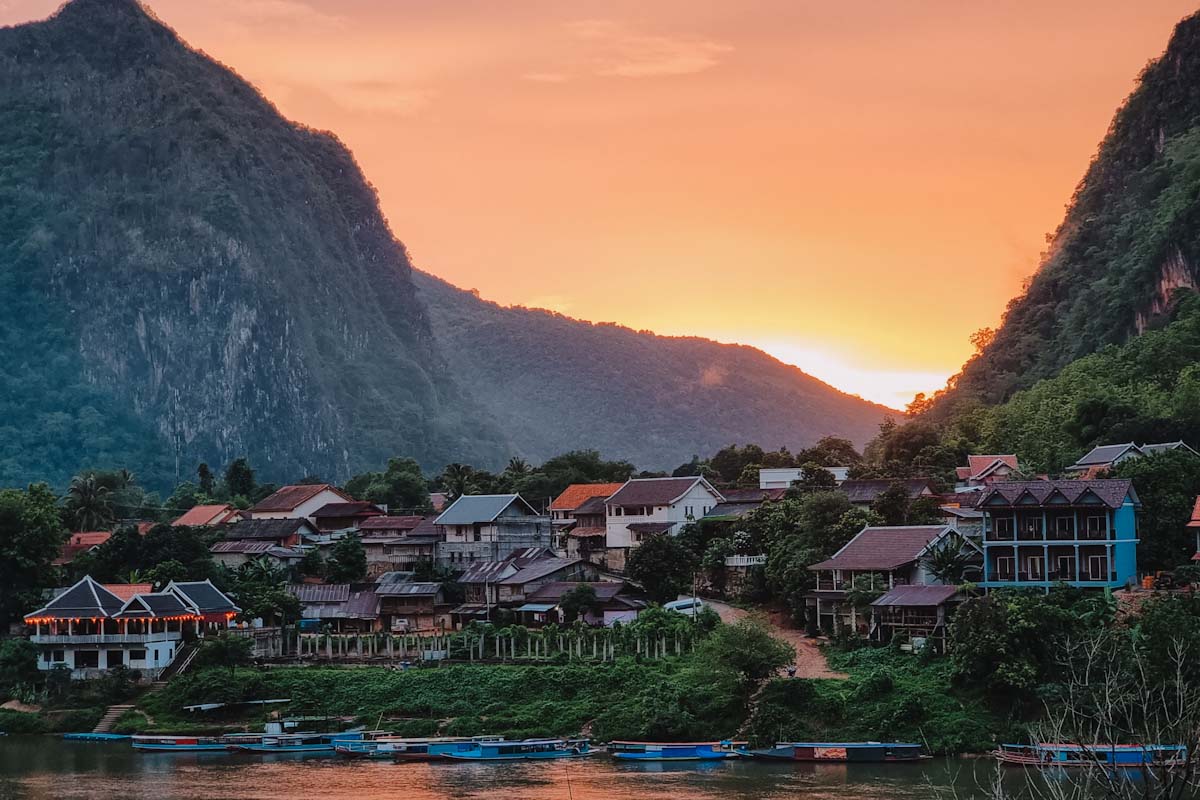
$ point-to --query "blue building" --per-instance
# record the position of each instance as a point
(1037, 533)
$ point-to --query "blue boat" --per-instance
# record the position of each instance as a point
(181, 744)
(675, 751)
(840, 752)
(297, 743)
(411, 749)
(94, 737)
(1098, 755)
(523, 750)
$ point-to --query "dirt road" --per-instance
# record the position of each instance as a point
(810, 663)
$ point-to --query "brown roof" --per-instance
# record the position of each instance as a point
(1112, 492)
(574, 495)
(351, 509)
(653, 491)
(650, 527)
(593, 506)
(978, 464)
(1195, 520)
(916, 596)
(554, 590)
(390, 523)
(289, 497)
(207, 515)
(267, 528)
(883, 548)
(586, 533)
(865, 491)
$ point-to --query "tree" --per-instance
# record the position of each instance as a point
(830, 451)
(1167, 484)
(401, 487)
(312, 565)
(814, 478)
(226, 651)
(31, 534)
(662, 567)
(347, 561)
(167, 571)
(89, 504)
(205, 480)
(579, 602)
(239, 479)
(18, 664)
(950, 562)
(892, 504)
(748, 648)
(456, 480)
(866, 589)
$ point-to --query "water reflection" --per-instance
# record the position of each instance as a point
(42, 768)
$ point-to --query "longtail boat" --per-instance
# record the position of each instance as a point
(674, 751)
(410, 749)
(835, 752)
(1049, 754)
(524, 750)
(193, 744)
(297, 743)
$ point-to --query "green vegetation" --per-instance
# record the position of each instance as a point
(889, 696)
(30, 534)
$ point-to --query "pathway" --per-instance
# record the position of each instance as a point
(810, 662)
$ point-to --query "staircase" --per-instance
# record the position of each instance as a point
(110, 718)
(183, 660)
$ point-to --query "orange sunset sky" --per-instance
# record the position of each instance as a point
(852, 186)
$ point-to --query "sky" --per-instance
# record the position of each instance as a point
(853, 186)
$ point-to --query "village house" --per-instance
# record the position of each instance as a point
(344, 515)
(784, 477)
(506, 583)
(644, 507)
(89, 628)
(863, 493)
(487, 528)
(409, 606)
(342, 607)
(983, 470)
(1104, 457)
(585, 537)
(278, 540)
(295, 502)
(1081, 532)
(1194, 524)
(580, 499)
(616, 601)
(203, 516)
(887, 559)
(76, 543)
(238, 552)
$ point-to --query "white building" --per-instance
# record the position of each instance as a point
(294, 502)
(784, 477)
(88, 628)
(647, 506)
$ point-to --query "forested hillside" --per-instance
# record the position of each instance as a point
(551, 382)
(1131, 236)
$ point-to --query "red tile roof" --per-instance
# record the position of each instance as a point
(126, 591)
(586, 533)
(883, 548)
(575, 494)
(78, 543)
(654, 491)
(289, 497)
(1195, 520)
(208, 515)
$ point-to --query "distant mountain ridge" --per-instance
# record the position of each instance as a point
(189, 276)
(1129, 240)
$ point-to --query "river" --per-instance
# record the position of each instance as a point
(47, 768)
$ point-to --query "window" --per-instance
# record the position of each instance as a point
(115, 658)
(1031, 527)
(60, 656)
(1004, 568)
(617, 511)
(1003, 527)
(137, 655)
(687, 512)
(87, 659)
(1034, 567)
(477, 534)
(46, 656)
(1097, 568)
(1095, 526)
(1066, 568)
(1064, 527)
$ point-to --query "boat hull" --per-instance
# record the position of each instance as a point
(674, 751)
(1076, 757)
(840, 753)
(521, 757)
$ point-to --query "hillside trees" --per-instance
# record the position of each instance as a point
(30, 536)
(662, 566)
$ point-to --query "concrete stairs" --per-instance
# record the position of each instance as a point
(110, 718)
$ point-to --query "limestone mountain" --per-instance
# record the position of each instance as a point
(1130, 238)
(186, 275)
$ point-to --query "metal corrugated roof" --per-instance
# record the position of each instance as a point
(916, 596)
(472, 508)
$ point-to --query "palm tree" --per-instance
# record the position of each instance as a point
(950, 563)
(518, 466)
(88, 504)
(457, 480)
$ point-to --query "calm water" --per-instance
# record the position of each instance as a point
(44, 768)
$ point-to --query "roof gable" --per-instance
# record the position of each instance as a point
(577, 493)
(86, 598)
(884, 548)
(658, 491)
(202, 596)
(472, 508)
(288, 498)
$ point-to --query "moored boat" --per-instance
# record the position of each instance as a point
(297, 743)
(1050, 754)
(523, 750)
(839, 752)
(674, 751)
(181, 744)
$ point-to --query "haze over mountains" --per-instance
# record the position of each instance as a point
(188, 276)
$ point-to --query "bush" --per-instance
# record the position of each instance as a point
(19, 722)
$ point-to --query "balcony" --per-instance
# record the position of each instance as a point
(745, 561)
(107, 638)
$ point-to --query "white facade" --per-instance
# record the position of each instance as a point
(784, 477)
(148, 652)
(693, 504)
